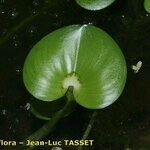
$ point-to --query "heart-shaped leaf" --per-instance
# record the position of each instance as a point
(147, 5)
(94, 4)
(84, 57)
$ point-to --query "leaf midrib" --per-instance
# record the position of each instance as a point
(77, 48)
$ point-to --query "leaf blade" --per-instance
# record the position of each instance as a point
(94, 4)
(147, 5)
(84, 51)
(101, 69)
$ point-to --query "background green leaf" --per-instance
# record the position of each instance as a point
(147, 5)
(94, 4)
(86, 52)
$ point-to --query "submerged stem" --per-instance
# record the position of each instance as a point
(48, 127)
(89, 128)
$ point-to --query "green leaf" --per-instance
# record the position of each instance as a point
(147, 5)
(94, 4)
(84, 57)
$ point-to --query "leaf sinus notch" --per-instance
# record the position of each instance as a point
(71, 80)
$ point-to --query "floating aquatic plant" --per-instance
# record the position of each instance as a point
(94, 4)
(81, 62)
(147, 5)
(84, 57)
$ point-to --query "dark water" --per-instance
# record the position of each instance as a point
(125, 125)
